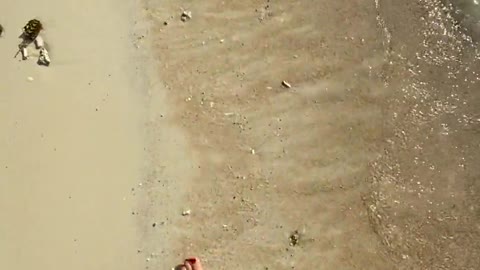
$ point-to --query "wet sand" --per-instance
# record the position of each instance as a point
(71, 140)
(368, 159)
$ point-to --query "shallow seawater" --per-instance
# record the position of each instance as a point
(423, 203)
(467, 13)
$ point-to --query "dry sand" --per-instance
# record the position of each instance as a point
(71, 140)
(367, 162)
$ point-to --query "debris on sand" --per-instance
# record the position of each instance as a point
(294, 238)
(186, 15)
(43, 59)
(39, 43)
(286, 84)
(1, 30)
(24, 52)
(31, 33)
(186, 212)
(31, 30)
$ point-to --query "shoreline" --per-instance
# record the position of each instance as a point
(168, 165)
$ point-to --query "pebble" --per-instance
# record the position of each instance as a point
(186, 212)
(30, 79)
(294, 238)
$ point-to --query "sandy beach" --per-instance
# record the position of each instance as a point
(253, 134)
(71, 138)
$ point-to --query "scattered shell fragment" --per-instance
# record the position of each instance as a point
(286, 84)
(186, 212)
(30, 79)
(186, 15)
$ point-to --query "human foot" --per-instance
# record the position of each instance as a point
(191, 264)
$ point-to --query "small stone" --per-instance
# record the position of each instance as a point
(30, 79)
(154, 224)
(165, 23)
(186, 15)
(222, 40)
(252, 151)
(286, 84)
(186, 212)
(294, 238)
